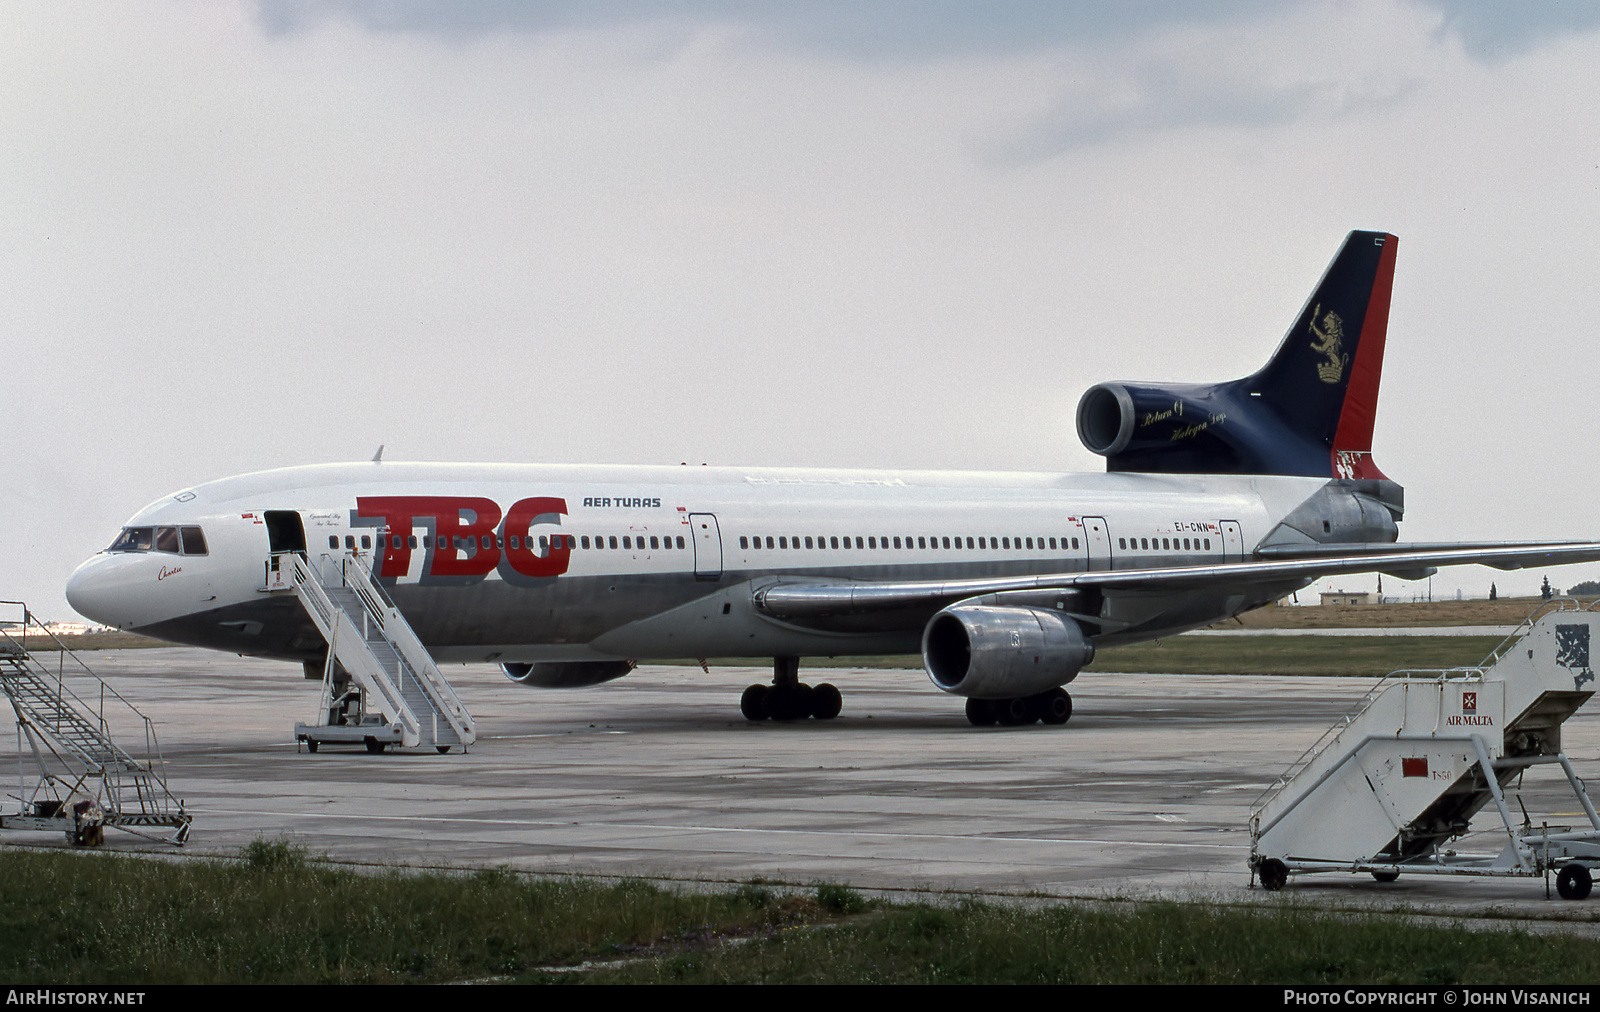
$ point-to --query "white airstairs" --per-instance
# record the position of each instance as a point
(1394, 782)
(72, 777)
(402, 698)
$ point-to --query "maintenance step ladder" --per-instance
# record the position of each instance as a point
(402, 698)
(1390, 785)
(73, 777)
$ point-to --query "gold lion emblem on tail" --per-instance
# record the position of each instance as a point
(1328, 339)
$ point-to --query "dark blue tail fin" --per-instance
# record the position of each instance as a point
(1309, 411)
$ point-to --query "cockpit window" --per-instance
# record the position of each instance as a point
(133, 539)
(188, 540)
(194, 540)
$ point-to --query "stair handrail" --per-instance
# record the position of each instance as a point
(359, 577)
(1329, 736)
(311, 590)
(1543, 608)
(17, 649)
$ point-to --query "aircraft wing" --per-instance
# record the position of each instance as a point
(1280, 565)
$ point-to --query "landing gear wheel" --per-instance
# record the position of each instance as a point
(1015, 712)
(788, 702)
(1274, 874)
(980, 712)
(443, 749)
(376, 747)
(1574, 882)
(311, 747)
(826, 702)
(1056, 706)
(754, 703)
(1386, 876)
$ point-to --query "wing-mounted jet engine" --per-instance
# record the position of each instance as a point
(1010, 662)
(565, 674)
(1308, 411)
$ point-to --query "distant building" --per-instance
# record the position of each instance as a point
(1349, 597)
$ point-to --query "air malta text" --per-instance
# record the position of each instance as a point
(469, 539)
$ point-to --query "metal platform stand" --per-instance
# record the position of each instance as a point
(71, 777)
(1390, 785)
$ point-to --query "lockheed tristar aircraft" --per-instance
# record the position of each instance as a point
(1216, 499)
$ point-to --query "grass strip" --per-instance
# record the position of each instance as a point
(276, 917)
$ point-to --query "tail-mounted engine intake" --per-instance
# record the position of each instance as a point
(994, 652)
(565, 674)
(1309, 411)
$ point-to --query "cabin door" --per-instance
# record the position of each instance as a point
(707, 546)
(1098, 541)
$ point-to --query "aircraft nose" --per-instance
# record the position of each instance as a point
(94, 592)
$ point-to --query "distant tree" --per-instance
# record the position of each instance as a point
(1492, 594)
(1545, 591)
(1588, 588)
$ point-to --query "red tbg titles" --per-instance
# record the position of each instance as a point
(400, 514)
(450, 516)
(523, 515)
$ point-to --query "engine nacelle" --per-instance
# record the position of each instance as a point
(565, 674)
(1221, 428)
(1000, 652)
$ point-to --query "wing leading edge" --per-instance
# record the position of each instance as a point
(810, 599)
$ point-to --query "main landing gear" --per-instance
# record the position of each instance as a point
(787, 698)
(1053, 707)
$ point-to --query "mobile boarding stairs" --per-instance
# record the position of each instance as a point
(398, 695)
(72, 777)
(1389, 786)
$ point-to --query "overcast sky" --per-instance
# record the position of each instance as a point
(236, 236)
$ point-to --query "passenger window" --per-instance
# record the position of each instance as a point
(834, 542)
(1074, 542)
(1208, 544)
(366, 541)
(680, 541)
(872, 542)
(333, 541)
(654, 543)
(194, 540)
(897, 542)
(1030, 543)
(614, 540)
(1005, 542)
(412, 540)
(744, 542)
(350, 542)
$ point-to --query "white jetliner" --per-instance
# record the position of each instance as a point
(1217, 499)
